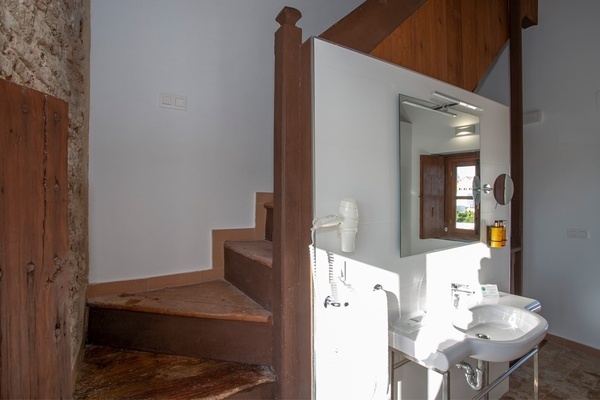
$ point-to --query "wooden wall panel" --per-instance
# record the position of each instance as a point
(423, 41)
(370, 23)
(467, 38)
(34, 342)
(455, 41)
(440, 49)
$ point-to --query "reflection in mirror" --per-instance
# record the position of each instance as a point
(503, 189)
(446, 131)
(447, 207)
(476, 189)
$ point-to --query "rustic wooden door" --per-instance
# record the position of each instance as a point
(34, 330)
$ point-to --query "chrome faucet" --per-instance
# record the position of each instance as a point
(456, 289)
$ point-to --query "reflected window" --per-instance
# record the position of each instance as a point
(448, 210)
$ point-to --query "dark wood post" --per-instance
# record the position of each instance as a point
(292, 349)
(516, 145)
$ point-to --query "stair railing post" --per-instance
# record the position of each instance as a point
(516, 145)
(292, 348)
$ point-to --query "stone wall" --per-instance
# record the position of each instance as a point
(44, 45)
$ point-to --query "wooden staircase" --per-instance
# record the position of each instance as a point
(210, 340)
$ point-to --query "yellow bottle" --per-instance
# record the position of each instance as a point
(497, 234)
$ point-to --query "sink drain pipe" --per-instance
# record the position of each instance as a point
(474, 376)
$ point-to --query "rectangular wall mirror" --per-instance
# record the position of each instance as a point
(439, 157)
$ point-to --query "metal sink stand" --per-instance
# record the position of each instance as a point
(487, 389)
(536, 384)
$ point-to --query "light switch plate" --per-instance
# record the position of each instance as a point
(174, 101)
(578, 233)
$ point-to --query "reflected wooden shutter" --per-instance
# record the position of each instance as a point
(432, 197)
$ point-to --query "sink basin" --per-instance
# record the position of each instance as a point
(498, 332)
(440, 341)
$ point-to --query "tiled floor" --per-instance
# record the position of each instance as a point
(563, 374)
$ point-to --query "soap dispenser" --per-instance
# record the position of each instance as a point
(497, 234)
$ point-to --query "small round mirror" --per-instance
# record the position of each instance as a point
(503, 189)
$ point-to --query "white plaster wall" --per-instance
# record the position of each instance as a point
(561, 164)
(356, 128)
(161, 179)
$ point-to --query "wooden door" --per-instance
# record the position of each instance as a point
(34, 329)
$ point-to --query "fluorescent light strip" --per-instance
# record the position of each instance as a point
(457, 101)
(421, 106)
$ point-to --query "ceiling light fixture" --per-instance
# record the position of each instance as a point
(423, 107)
(456, 101)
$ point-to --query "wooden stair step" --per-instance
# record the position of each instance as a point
(110, 373)
(248, 267)
(207, 320)
(215, 299)
(260, 251)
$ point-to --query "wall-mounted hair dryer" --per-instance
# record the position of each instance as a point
(347, 221)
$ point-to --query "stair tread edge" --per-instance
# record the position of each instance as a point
(260, 251)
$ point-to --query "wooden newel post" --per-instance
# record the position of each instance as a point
(292, 349)
(516, 145)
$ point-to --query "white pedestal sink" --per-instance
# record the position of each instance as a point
(498, 332)
(443, 341)
(507, 330)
